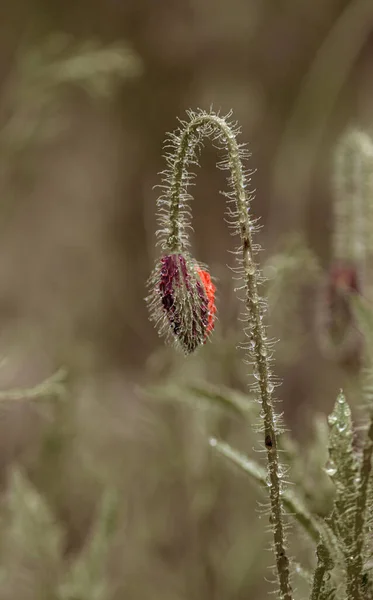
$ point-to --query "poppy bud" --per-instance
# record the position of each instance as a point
(182, 301)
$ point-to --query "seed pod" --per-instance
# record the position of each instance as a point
(182, 301)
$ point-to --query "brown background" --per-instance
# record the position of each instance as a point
(77, 245)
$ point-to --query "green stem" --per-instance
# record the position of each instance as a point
(211, 125)
(318, 580)
(324, 565)
(174, 241)
(355, 570)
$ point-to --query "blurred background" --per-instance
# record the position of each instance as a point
(88, 91)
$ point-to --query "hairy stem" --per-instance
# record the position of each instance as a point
(174, 241)
(324, 565)
(211, 125)
(318, 581)
(355, 570)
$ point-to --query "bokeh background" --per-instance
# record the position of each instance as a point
(80, 149)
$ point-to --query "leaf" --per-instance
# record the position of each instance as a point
(342, 465)
(40, 76)
(215, 396)
(87, 578)
(32, 541)
(291, 501)
(52, 386)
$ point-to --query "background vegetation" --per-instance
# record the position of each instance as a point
(109, 488)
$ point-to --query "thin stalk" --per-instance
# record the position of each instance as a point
(318, 580)
(177, 179)
(324, 565)
(355, 570)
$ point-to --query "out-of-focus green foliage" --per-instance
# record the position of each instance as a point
(185, 522)
(87, 576)
(43, 75)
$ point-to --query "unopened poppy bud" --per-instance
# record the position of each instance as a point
(182, 301)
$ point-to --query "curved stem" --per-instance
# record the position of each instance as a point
(211, 125)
